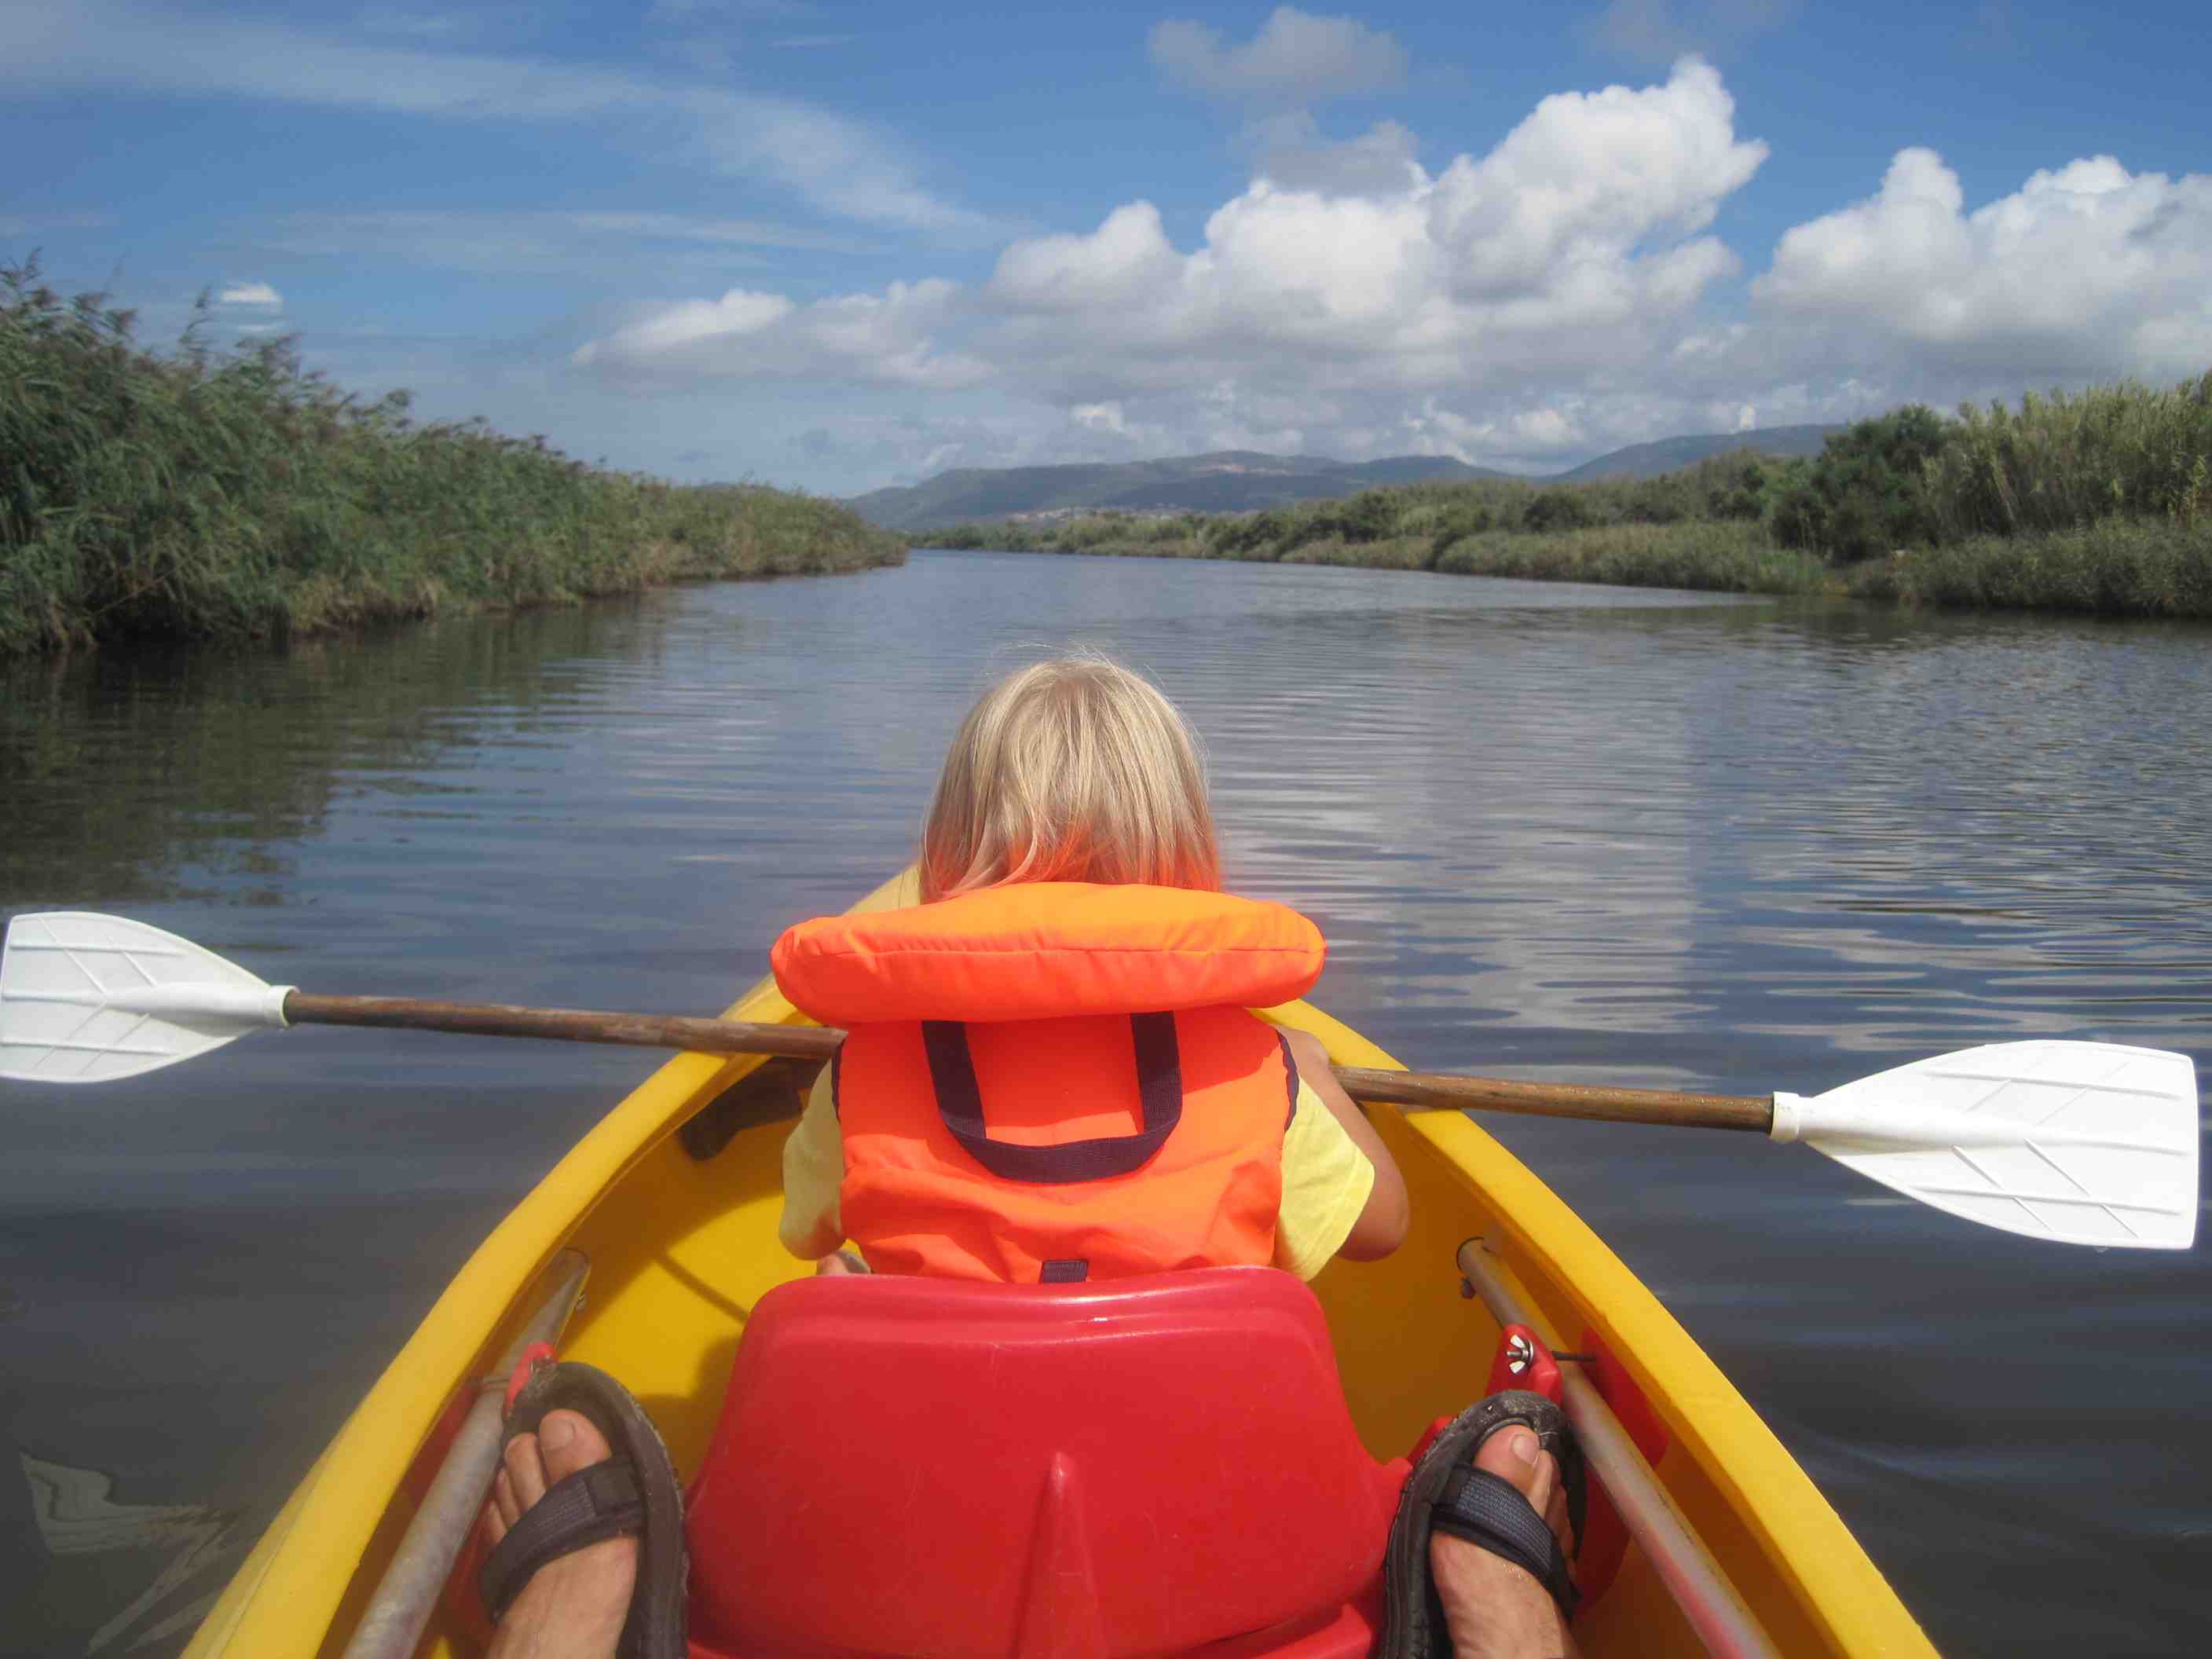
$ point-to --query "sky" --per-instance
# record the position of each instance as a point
(833, 245)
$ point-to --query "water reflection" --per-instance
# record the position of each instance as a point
(1550, 832)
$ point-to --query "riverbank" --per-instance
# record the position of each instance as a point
(1723, 558)
(2116, 568)
(206, 496)
(2100, 503)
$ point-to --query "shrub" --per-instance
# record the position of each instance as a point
(1866, 493)
(1561, 508)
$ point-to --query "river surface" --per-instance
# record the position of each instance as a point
(1555, 832)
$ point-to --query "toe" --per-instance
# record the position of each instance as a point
(569, 1443)
(1555, 1518)
(1514, 1455)
(526, 1470)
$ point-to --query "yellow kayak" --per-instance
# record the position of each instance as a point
(1732, 1548)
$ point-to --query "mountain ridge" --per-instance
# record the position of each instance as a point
(1242, 481)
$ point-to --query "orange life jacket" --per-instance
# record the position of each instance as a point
(1135, 1110)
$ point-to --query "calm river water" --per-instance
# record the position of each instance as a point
(1553, 832)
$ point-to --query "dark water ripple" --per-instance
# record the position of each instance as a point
(1551, 832)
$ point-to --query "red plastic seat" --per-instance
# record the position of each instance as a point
(1144, 1467)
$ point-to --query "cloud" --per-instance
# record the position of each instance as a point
(1588, 176)
(1573, 249)
(1576, 249)
(615, 242)
(886, 339)
(1296, 58)
(1657, 32)
(2087, 270)
(1290, 152)
(838, 165)
(670, 330)
(1558, 295)
(250, 293)
(1126, 261)
(1574, 241)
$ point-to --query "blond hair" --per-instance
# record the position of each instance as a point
(1076, 769)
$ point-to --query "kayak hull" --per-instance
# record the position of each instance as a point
(681, 1249)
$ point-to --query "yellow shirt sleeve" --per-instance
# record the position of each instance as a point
(1326, 1181)
(811, 1225)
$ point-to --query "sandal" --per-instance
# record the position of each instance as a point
(1446, 1493)
(633, 1491)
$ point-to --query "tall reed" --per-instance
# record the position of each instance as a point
(2062, 462)
(204, 493)
(2117, 567)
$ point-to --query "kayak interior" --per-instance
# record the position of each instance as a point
(681, 1247)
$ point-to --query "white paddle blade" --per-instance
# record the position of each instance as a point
(89, 999)
(2089, 1143)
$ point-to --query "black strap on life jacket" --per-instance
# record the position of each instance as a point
(960, 1104)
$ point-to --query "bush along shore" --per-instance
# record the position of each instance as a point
(2100, 502)
(199, 495)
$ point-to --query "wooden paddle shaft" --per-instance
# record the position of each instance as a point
(710, 1037)
(736, 1036)
(1484, 1093)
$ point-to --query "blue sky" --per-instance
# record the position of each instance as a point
(837, 246)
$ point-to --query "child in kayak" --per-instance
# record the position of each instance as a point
(1051, 1075)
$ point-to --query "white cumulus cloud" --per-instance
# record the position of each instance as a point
(2087, 269)
(1575, 237)
(250, 293)
(1126, 261)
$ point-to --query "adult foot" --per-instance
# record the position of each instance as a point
(573, 1607)
(1492, 1608)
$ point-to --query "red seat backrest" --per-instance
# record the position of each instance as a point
(934, 1467)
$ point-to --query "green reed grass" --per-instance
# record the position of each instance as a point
(2121, 567)
(1727, 557)
(2066, 463)
(205, 495)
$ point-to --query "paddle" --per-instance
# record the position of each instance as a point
(2086, 1143)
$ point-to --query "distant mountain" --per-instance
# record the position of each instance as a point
(1228, 481)
(1241, 481)
(1672, 455)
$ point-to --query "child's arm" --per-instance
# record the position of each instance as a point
(811, 1225)
(1382, 1220)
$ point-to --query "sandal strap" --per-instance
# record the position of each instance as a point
(594, 1503)
(1489, 1511)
